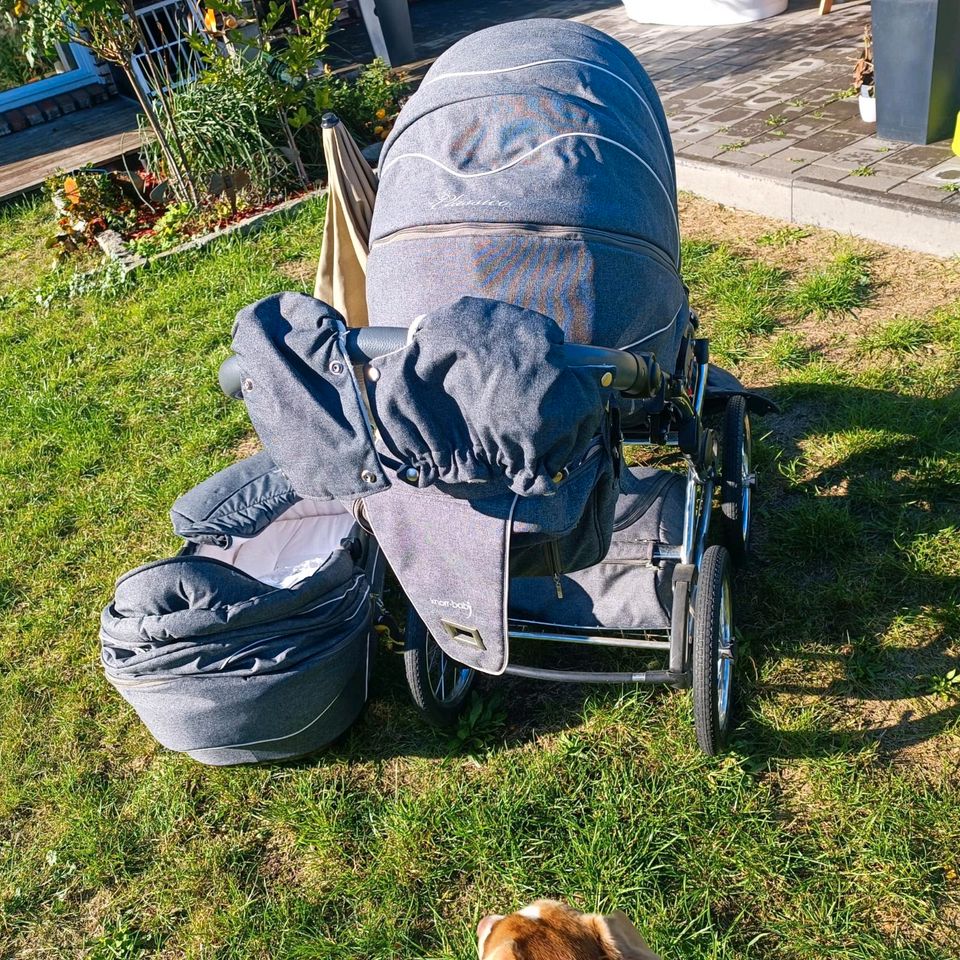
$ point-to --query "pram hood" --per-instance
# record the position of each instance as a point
(534, 166)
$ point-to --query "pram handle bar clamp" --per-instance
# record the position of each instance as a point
(636, 374)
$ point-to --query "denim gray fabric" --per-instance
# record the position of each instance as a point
(625, 590)
(303, 399)
(230, 669)
(454, 556)
(533, 166)
(237, 502)
(450, 556)
(481, 400)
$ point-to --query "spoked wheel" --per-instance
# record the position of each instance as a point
(713, 651)
(439, 686)
(736, 498)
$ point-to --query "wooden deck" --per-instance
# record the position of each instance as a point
(96, 135)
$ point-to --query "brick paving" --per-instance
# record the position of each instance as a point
(772, 96)
(766, 98)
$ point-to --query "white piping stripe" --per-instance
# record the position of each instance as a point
(529, 153)
(286, 736)
(582, 63)
(650, 336)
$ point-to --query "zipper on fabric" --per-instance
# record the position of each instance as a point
(460, 229)
(553, 559)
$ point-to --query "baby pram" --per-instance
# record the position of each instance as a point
(530, 177)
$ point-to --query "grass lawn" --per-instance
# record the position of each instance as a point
(830, 830)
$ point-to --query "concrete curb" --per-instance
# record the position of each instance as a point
(912, 224)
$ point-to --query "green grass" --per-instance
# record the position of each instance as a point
(830, 829)
(839, 288)
(900, 335)
(782, 237)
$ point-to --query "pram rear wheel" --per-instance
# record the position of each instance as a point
(736, 497)
(713, 651)
(439, 686)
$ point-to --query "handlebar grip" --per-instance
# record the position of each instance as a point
(637, 374)
(228, 376)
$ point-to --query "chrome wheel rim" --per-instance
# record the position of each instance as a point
(746, 485)
(725, 655)
(448, 679)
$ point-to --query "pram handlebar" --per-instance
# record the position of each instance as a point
(637, 374)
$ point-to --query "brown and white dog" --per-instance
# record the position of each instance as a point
(548, 930)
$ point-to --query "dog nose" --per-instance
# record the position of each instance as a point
(483, 930)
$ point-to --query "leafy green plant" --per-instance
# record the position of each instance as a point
(776, 120)
(950, 188)
(737, 145)
(16, 67)
(167, 232)
(865, 171)
(88, 201)
(369, 103)
(229, 120)
(479, 723)
(947, 685)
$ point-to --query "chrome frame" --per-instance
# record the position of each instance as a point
(696, 527)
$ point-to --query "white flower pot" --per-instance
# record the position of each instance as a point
(702, 13)
(868, 105)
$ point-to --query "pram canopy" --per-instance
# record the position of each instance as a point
(533, 166)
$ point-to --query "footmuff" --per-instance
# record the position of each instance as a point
(253, 642)
(630, 588)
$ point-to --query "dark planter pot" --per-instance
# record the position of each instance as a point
(388, 25)
(916, 55)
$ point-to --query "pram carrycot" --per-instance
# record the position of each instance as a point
(533, 166)
(254, 642)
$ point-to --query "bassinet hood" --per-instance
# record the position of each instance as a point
(539, 121)
(187, 598)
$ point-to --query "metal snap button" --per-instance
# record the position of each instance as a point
(247, 385)
(558, 477)
(373, 374)
(606, 379)
(368, 476)
(335, 367)
(411, 474)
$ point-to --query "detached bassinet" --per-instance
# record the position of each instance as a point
(252, 643)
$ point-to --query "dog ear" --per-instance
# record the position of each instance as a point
(505, 951)
(620, 938)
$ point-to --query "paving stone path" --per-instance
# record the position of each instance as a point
(771, 100)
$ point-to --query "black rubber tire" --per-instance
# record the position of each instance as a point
(713, 578)
(416, 664)
(736, 437)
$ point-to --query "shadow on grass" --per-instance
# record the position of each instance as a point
(853, 598)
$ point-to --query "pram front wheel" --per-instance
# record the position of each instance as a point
(736, 497)
(439, 686)
(713, 650)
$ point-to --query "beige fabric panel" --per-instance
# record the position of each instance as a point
(352, 189)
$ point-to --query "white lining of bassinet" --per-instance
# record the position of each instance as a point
(292, 547)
